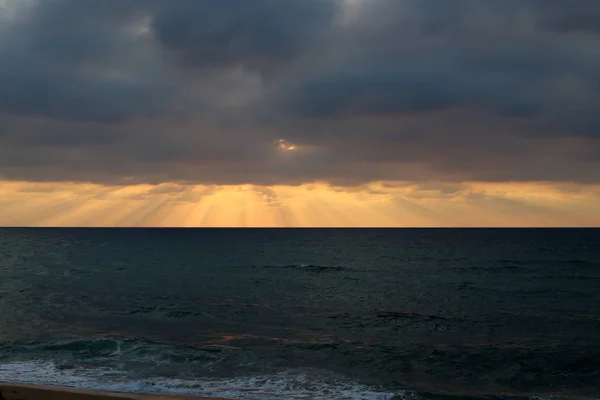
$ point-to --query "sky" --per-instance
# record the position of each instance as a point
(299, 113)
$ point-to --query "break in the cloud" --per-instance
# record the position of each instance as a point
(202, 91)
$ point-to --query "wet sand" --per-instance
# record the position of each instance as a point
(37, 392)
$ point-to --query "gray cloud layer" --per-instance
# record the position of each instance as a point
(125, 91)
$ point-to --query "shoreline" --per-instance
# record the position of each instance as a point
(17, 391)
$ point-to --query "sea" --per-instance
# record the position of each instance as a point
(265, 314)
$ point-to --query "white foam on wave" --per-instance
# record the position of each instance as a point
(289, 385)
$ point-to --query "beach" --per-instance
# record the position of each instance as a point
(10, 391)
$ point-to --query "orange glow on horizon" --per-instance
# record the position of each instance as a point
(382, 204)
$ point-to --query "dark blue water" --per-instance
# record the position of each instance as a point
(307, 313)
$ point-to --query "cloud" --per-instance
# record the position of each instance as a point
(201, 91)
(556, 15)
(422, 56)
(211, 33)
(60, 62)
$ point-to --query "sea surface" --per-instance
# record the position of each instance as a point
(372, 314)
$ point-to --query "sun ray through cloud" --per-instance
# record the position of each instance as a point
(383, 205)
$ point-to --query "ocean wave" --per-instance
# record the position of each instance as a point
(398, 315)
(497, 269)
(288, 385)
(310, 267)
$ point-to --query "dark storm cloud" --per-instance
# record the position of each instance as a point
(133, 91)
(61, 58)
(81, 59)
(417, 85)
(584, 16)
(430, 56)
(253, 33)
(73, 97)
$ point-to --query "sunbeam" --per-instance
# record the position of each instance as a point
(378, 205)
